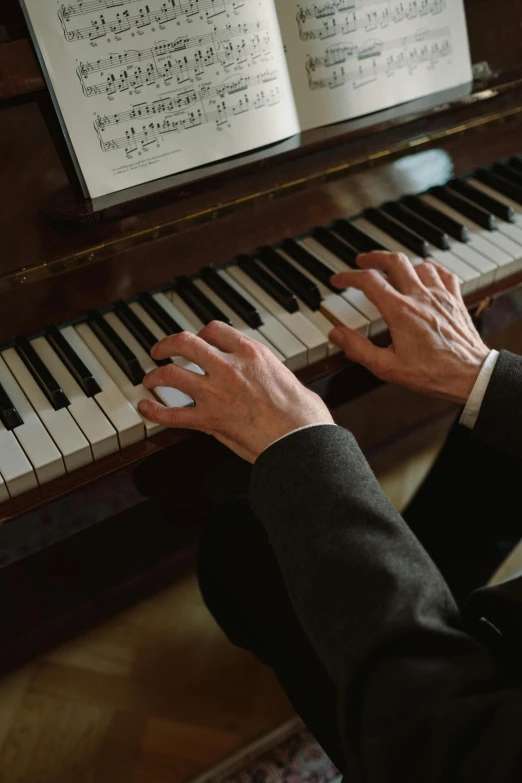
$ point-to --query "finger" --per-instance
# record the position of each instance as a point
(177, 418)
(451, 282)
(428, 274)
(175, 377)
(378, 290)
(190, 347)
(359, 349)
(398, 267)
(222, 336)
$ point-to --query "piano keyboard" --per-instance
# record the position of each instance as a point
(69, 395)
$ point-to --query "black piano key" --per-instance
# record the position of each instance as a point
(516, 163)
(510, 173)
(205, 310)
(308, 261)
(479, 216)
(82, 375)
(44, 379)
(500, 183)
(433, 215)
(336, 246)
(503, 211)
(304, 288)
(158, 314)
(356, 238)
(9, 416)
(424, 229)
(410, 240)
(268, 283)
(137, 328)
(120, 352)
(234, 300)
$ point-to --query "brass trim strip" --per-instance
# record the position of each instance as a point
(103, 250)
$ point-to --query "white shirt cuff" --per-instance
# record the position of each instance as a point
(472, 409)
(306, 427)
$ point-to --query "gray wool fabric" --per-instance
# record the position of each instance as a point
(420, 699)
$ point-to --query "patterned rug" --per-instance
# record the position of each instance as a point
(288, 755)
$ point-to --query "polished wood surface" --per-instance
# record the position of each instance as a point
(19, 69)
(57, 261)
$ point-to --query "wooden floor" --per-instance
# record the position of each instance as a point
(157, 694)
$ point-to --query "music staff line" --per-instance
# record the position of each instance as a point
(361, 76)
(180, 100)
(154, 132)
(367, 21)
(132, 56)
(123, 22)
(181, 70)
(340, 53)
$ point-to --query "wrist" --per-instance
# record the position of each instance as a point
(468, 377)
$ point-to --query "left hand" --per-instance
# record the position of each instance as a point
(247, 399)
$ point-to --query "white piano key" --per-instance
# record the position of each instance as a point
(4, 494)
(292, 322)
(186, 323)
(32, 436)
(89, 417)
(125, 420)
(386, 240)
(297, 323)
(294, 352)
(16, 471)
(353, 296)
(172, 398)
(188, 315)
(316, 317)
(134, 394)
(489, 191)
(491, 244)
(468, 276)
(60, 425)
(236, 321)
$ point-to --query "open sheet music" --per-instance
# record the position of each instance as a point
(149, 88)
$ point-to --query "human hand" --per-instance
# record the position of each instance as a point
(247, 398)
(435, 348)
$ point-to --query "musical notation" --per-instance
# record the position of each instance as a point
(342, 17)
(229, 48)
(174, 122)
(381, 37)
(387, 56)
(146, 14)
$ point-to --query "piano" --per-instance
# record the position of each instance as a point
(84, 295)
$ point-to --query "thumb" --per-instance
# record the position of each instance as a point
(358, 348)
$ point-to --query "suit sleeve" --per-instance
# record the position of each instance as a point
(499, 421)
(419, 699)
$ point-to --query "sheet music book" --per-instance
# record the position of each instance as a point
(149, 88)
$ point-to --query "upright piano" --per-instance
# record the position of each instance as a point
(98, 507)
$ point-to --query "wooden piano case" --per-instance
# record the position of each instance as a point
(58, 259)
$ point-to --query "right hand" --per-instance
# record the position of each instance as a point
(435, 348)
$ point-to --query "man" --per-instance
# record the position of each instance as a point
(327, 583)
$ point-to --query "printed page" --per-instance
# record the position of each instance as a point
(349, 58)
(149, 88)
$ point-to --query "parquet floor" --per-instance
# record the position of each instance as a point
(155, 695)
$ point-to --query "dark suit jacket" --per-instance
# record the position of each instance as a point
(426, 694)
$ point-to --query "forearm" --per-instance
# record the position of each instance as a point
(376, 610)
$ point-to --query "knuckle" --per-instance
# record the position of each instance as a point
(213, 327)
(370, 276)
(183, 338)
